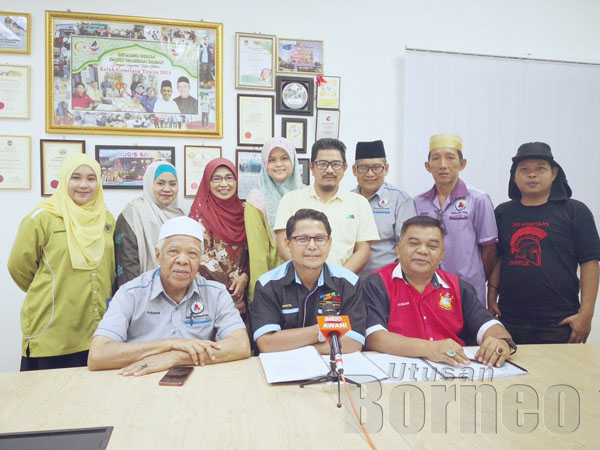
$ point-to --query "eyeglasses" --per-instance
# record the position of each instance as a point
(304, 240)
(323, 165)
(440, 218)
(219, 179)
(375, 168)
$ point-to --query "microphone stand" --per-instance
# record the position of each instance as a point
(332, 376)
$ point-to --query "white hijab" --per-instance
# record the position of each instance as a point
(145, 215)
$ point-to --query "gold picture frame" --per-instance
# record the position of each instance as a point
(12, 40)
(111, 74)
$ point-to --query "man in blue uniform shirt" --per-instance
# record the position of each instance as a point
(170, 316)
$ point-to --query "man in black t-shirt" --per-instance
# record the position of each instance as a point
(543, 236)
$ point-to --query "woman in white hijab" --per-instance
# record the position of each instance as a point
(137, 228)
(280, 174)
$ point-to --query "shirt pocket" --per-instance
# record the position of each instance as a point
(289, 317)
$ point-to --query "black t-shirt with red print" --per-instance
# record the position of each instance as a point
(541, 248)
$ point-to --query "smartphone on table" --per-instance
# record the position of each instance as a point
(176, 376)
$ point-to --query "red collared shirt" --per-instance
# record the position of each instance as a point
(447, 307)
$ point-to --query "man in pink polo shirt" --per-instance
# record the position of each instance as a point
(466, 214)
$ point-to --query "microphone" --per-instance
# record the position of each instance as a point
(333, 327)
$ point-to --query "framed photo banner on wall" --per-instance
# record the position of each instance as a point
(254, 61)
(124, 166)
(15, 32)
(109, 74)
(52, 154)
(195, 159)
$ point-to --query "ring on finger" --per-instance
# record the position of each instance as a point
(499, 350)
(451, 352)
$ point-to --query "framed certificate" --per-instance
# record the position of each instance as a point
(14, 92)
(295, 95)
(15, 32)
(295, 131)
(195, 159)
(15, 162)
(124, 166)
(110, 74)
(302, 56)
(255, 119)
(52, 155)
(328, 124)
(249, 167)
(254, 61)
(328, 93)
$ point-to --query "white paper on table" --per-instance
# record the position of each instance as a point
(305, 363)
(478, 371)
(405, 369)
(301, 363)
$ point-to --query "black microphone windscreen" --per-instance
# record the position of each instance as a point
(329, 310)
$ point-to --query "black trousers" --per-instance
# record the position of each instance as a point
(537, 334)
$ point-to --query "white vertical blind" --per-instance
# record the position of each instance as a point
(496, 104)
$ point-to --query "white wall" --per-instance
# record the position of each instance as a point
(364, 44)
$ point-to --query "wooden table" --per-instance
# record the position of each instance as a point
(231, 406)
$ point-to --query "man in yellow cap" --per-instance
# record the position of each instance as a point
(466, 214)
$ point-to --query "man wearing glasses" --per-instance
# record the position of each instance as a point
(391, 206)
(466, 214)
(288, 298)
(352, 223)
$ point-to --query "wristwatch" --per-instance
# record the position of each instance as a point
(511, 344)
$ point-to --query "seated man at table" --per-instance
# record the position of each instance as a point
(415, 309)
(171, 315)
(288, 298)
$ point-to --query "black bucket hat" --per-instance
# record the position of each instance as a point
(539, 150)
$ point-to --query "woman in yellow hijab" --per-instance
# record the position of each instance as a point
(62, 258)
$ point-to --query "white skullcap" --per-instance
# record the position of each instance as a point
(181, 225)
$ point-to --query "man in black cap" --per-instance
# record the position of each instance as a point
(391, 206)
(543, 235)
(187, 104)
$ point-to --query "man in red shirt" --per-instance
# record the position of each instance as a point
(416, 309)
(80, 100)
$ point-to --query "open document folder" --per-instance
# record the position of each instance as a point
(404, 369)
(305, 363)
